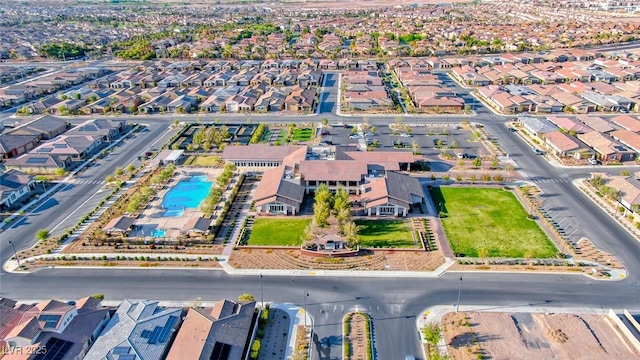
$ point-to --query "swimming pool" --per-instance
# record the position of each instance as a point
(187, 194)
(157, 233)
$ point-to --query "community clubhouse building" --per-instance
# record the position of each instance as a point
(376, 179)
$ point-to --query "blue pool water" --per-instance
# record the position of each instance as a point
(187, 194)
(157, 233)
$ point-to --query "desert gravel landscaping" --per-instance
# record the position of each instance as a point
(476, 335)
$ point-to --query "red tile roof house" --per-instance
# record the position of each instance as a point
(62, 329)
(563, 145)
(568, 125)
(628, 185)
(627, 122)
(629, 138)
(281, 190)
(607, 149)
(220, 332)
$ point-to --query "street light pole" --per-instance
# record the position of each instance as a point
(261, 294)
(459, 292)
(15, 254)
(305, 308)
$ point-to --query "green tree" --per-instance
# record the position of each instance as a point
(98, 296)
(432, 334)
(350, 231)
(625, 173)
(119, 171)
(42, 234)
(321, 213)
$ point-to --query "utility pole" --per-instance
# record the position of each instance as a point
(459, 292)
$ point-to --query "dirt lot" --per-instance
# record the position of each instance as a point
(533, 336)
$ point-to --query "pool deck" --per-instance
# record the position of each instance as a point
(152, 216)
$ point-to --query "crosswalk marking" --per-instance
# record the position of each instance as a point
(548, 180)
(93, 182)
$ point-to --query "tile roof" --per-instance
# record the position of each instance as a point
(138, 327)
(259, 152)
(226, 323)
(333, 170)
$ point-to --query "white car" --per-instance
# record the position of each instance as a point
(354, 136)
(405, 135)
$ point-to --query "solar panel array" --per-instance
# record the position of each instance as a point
(220, 351)
(160, 334)
(37, 160)
(50, 320)
(54, 349)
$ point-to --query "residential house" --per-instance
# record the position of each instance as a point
(301, 100)
(607, 150)
(109, 130)
(62, 330)
(221, 332)
(15, 145)
(629, 187)
(14, 184)
(39, 163)
(568, 125)
(78, 147)
(626, 122)
(140, 329)
(563, 145)
(536, 126)
(45, 128)
(596, 123)
(628, 138)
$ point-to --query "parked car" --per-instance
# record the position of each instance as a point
(405, 135)
(593, 161)
(538, 151)
(325, 132)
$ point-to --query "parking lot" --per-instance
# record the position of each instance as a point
(432, 140)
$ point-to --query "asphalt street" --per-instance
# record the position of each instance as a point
(393, 303)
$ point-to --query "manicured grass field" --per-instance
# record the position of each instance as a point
(302, 135)
(490, 219)
(278, 232)
(385, 233)
(202, 160)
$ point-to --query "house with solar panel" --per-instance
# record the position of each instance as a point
(139, 330)
(220, 332)
(55, 330)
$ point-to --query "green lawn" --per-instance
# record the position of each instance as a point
(385, 233)
(279, 232)
(302, 135)
(203, 160)
(491, 219)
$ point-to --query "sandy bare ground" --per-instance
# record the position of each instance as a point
(533, 336)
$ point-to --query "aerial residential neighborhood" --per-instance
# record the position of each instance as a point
(319, 180)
